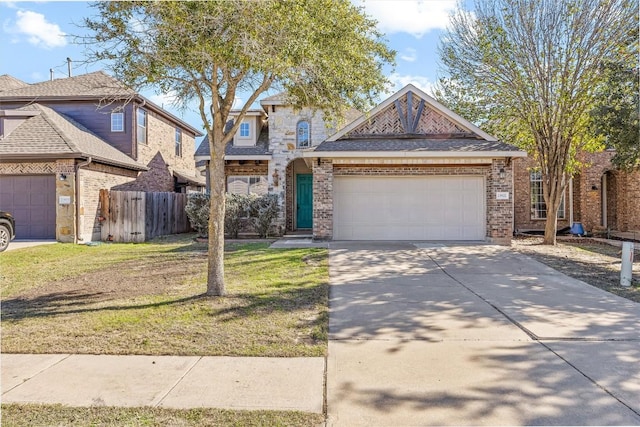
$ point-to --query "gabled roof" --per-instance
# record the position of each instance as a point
(410, 123)
(277, 99)
(8, 82)
(260, 151)
(409, 117)
(48, 134)
(92, 86)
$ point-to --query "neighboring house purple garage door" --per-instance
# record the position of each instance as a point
(31, 199)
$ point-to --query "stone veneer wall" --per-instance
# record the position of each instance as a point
(93, 178)
(282, 143)
(499, 214)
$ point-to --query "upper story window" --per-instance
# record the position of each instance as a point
(538, 206)
(142, 126)
(245, 130)
(117, 122)
(178, 142)
(303, 138)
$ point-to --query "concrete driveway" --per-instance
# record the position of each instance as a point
(429, 334)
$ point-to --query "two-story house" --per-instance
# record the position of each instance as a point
(63, 140)
(410, 169)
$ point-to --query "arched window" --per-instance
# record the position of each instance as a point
(303, 136)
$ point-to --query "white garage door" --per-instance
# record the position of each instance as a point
(409, 208)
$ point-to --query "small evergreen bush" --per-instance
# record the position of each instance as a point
(197, 210)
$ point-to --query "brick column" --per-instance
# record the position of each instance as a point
(500, 212)
(66, 213)
(323, 199)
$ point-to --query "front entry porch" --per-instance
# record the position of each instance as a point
(299, 197)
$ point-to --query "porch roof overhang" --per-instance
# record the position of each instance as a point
(413, 154)
(248, 157)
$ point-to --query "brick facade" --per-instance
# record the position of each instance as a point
(94, 178)
(499, 213)
(323, 200)
(597, 184)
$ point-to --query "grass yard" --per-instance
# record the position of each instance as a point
(149, 299)
(57, 415)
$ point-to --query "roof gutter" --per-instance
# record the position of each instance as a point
(78, 208)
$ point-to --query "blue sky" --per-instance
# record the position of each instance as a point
(35, 38)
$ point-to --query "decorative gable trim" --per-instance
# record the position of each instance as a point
(400, 114)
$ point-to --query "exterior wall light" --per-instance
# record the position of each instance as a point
(62, 177)
(276, 178)
(502, 174)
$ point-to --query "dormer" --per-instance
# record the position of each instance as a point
(250, 128)
(11, 119)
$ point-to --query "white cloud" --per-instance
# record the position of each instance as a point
(416, 17)
(39, 32)
(409, 55)
(398, 81)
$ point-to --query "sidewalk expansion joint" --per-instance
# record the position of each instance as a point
(177, 382)
(540, 341)
(38, 373)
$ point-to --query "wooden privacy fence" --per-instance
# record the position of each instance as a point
(136, 216)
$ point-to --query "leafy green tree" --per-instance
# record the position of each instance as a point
(617, 113)
(539, 62)
(325, 54)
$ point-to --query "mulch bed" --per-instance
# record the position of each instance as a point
(592, 261)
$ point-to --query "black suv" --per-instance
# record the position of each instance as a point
(7, 229)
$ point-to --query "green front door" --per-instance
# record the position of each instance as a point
(304, 200)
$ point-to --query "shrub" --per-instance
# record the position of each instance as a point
(264, 211)
(197, 210)
(237, 208)
(260, 211)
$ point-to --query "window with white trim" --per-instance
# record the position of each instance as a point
(538, 205)
(117, 122)
(247, 184)
(178, 142)
(303, 136)
(142, 126)
(245, 130)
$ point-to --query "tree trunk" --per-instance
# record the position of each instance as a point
(550, 229)
(215, 272)
(553, 189)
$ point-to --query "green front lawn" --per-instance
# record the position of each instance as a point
(149, 299)
(56, 415)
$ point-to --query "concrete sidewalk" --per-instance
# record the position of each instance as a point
(165, 381)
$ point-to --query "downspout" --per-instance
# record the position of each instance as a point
(77, 168)
(571, 202)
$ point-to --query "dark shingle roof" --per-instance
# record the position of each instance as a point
(8, 82)
(260, 149)
(96, 85)
(50, 133)
(415, 145)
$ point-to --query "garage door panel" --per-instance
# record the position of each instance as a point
(409, 208)
(32, 201)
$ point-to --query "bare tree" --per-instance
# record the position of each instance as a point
(540, 60)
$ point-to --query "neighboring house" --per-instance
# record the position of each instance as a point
(63, 140)
(600, 197)
(410, 169)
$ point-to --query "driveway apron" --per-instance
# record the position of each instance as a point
(460, 334)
